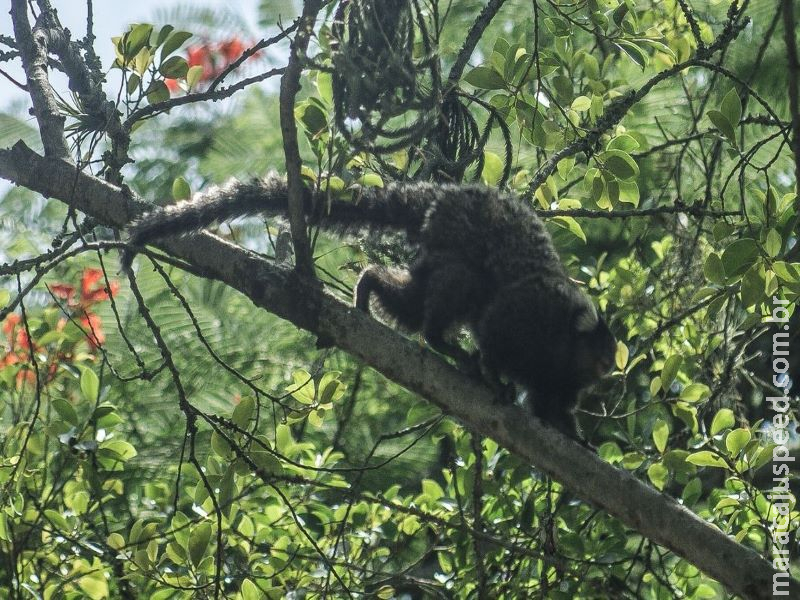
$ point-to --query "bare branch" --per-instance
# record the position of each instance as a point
(33, 51)
(473, 37)
(290, 85)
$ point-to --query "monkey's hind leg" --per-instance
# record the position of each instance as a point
(455, 293)
(401, 294)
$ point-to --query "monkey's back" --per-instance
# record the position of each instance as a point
(498, 235)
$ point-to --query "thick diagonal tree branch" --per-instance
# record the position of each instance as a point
(296, 299)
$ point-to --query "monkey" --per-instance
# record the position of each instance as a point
(484, 260)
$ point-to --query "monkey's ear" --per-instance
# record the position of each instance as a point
(586, 320)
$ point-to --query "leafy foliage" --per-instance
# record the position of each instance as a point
(161, 438)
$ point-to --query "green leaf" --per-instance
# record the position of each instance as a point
(774, 243)
(619, 163)
(157, 92)
(598, 108)
(485, 78)
(324, 83)
(181, 189)
(243, 412)
(116, 541)
(175, 67)
(120, 448)
(303, 389)
(610, 452)
(629, 192)
(266, 461)
(198, 542)
(66, 411)
(621, 355)
(142, 61)
(623, 142)
(581, 104)
(94, 585)
(492, 168)
(432, 490)
(558, 27)
(660, 435)
(686, 413)
(706, 458)
(334, 184)
(670, 371)
(634, 52)
(714, 270)
(692, 490)
(57, 519)
(220, 446)
(174, 42)
(789, 272)
(739, 256)
(736, 440)
(312, 117)
(570, 225)
(632, 460)
(133, 84)
(721, 122)
(658, 475)
(194, 75)
(722, 230)
(250, 591)
(659, 46)
(385, 592)
(722, 420)
(135, 39)
(591, 67)
(90, 384)
(370, 180)
(694, 392)
(565, 166)
(731, 108)
(330, 388)
(753, 286)
(163, 33)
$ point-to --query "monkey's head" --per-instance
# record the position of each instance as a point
(594, 347)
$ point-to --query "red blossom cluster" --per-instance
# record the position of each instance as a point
(214, 57)
(92, 291)
(19, 345)
(19, 351)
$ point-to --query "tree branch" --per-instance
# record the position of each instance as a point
(473, 37)
(296, 299)
(290, 85)
(33, 51)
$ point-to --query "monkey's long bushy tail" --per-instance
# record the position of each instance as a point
(396, 206)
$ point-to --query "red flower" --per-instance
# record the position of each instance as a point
(23, 341)
(231, 49)
(63, 290)
(9, 325)
(201, 55)
(89, 294)
(92, 325)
